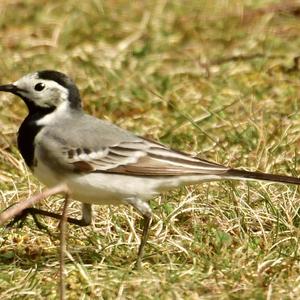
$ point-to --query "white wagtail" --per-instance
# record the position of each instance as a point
(99, 162)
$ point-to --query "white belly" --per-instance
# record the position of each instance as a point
(44, 174)
(105, 188)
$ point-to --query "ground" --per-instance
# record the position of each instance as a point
(218, 79)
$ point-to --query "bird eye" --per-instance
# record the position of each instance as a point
(39, 86)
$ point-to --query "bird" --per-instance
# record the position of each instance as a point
(101, 163)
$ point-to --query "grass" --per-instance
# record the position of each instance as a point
(213, 78)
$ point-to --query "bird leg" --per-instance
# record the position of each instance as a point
(145, 235)
(84, 221)
(144, 209)
(17, 209)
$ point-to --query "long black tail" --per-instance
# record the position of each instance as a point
(234, 173)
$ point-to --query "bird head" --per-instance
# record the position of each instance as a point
(45, 90)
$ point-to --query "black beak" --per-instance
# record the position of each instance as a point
(9, 88)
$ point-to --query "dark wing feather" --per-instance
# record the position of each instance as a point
(142, 158)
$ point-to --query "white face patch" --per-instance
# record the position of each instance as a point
(53, 94)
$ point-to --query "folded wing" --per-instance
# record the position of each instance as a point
(141, 158)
